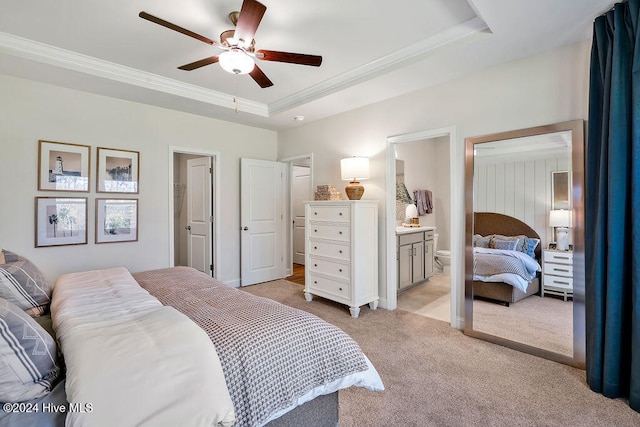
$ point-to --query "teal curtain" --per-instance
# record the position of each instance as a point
(612, 206)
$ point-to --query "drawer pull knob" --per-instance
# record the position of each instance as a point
(340, 288)
(315, 281)
(315, 265)
(339, 232)
(562, 283)
(315, 231)
(315, 213)
(562, 269)
(340, 270)
(315, 247)
(340, 251)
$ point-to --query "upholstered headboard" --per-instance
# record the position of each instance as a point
(486, 223)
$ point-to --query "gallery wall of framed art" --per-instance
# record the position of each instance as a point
(64, 219)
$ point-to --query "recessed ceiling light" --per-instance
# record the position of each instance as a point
(298, 118)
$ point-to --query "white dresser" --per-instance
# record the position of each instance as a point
(341, 257)
(557, 273)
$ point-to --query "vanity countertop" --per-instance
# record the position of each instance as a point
(407, 230)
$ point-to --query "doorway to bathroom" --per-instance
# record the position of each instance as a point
(423, 161)
(424, 165)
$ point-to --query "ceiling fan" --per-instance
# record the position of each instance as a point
(239, 46)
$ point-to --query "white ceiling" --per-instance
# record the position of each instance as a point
(372, 49)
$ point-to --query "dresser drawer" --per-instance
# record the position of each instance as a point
(329, 213)
(332, 250)
(328, 267)
(322, 286)
(558, 269)
(558, 257)
(557, 282)
(334, 232)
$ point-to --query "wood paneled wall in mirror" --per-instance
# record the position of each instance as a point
(522, 289)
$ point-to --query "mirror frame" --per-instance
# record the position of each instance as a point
(577, 206)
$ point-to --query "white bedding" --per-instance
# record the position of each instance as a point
(528, 265)
(132, 361)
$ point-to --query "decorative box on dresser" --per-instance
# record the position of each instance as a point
(557, 273)
(341, 258)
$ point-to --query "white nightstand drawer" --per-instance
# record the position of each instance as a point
(328, 267)
(558, 257)
(334, 232)
(329, 213)
(558, 269)
(332, 250)
(557, 282)
(326, 286)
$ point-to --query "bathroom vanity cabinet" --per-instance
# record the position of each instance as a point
(414, 256)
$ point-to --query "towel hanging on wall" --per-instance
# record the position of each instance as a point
(424, 201)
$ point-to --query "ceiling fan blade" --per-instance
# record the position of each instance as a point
(292, 58)
(174, 27)
(260, 77)
(250, 16)
(200, 63)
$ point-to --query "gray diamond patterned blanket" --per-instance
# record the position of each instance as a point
(271, 354)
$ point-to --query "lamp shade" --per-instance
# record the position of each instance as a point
(354, 168)
(560, 218)
(235, 61)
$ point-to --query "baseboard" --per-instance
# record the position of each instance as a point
(235, 283)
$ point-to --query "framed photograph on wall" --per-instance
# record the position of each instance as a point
(118, 171)
(63, 166)
(560, 190)
(61, 221)
(116, 220)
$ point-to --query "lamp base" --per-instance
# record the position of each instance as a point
(354, 190)
(562, 237)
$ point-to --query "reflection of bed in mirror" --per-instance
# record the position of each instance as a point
(489, 223)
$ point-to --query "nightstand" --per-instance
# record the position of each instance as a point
(557, 273)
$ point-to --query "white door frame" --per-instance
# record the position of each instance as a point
(456, 154)
(291, 161)
(215, 155)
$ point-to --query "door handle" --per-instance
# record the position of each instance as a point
(245, 228)
(188, 227)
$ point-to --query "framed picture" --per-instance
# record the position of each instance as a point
(560, 190)
(118, 171)
(553, 245)
(61, 221)
(116, 220)
(63, 167)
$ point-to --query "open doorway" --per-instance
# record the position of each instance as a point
(193, 208)
(452, 216)
(300, 189)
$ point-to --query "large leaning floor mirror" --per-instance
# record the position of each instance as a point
(524, 253)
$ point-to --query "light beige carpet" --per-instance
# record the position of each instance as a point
(541, 322)
(436, 376)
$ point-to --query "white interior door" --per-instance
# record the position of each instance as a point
(261, 221)
(199, 214)
(301, 191)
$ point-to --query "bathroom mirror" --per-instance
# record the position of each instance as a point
(513, 180)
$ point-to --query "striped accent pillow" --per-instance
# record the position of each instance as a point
(28, 358)
(24, 285)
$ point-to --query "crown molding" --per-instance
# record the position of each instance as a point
(47, 54)
(380, 66)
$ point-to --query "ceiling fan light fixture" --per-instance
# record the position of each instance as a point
(236, 61)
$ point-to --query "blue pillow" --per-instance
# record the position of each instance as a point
(506, 245)
(28, 363)
(532, 244)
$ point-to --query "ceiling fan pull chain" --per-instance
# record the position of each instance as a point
(235, 91)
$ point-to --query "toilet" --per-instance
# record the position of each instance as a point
(442, 257)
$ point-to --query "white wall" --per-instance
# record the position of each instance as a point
(31, 111)
(542, 89)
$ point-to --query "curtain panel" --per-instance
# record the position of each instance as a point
(612, 206)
